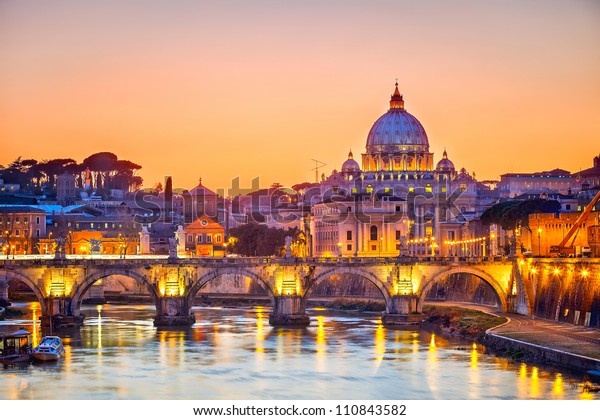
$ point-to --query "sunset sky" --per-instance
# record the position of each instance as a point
(221, 89)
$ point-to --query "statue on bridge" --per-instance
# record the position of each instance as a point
(60, 251)
(95, 246)
(173, 242)
(288, 247)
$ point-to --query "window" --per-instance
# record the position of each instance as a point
(218, 238)
(26, 233)
(190, 238)
(397, 247)
(105, 225)
(568, 206)
(463, 187)
(37, 233)
(444, 189)
(373, 233)
(373, 247)
(208, 238)
(348, 235)
(397, 235)
(397, 209)
(349, 247)
(369, 188)
(92, 225)
(411, 189)
(17, 219)
(37, 220)
(17, 233)
(428, 188)
(199, 238)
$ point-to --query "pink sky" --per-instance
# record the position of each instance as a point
(223, 89)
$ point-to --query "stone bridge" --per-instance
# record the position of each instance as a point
(60, 284)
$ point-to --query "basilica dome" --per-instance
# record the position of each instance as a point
(397, 130)
(445, 164)
(350, 166)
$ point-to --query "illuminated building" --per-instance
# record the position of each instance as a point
(204, 238)
(394, 205)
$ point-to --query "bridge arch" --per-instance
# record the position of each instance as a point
(218, 272)
(363, 273)
(39, 294)
(94, 276)
(499, 291)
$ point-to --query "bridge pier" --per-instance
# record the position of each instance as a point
(289, 310)
(4, 292)
(57, 313)
(173, 311)
(95, 295)
(402, 310)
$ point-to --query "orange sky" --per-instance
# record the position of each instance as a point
(222, 89)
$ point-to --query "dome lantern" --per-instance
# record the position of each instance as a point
(397, 102)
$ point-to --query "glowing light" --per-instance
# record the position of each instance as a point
(535, 382)
(584, 273)
(556, 271)
(558, 387)
(534, 270)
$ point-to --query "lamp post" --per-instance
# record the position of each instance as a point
(339, 249)
(539, 232)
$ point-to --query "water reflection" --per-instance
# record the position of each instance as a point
(236, 354)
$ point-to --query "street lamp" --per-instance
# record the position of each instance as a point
(340, 248)
(539, 232)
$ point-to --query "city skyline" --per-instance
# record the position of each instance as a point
(258, 90)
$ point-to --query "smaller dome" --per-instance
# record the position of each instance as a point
(284, 200)
(445, 165)
(350, 166)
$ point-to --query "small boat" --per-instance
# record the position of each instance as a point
(49, 349)
(594, 375)
(15, 347)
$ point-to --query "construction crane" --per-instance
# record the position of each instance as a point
(318, 165)
(563, 249)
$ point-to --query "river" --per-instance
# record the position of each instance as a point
(233, 353)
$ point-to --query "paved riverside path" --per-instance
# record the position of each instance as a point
(560, 336)
(569, 338)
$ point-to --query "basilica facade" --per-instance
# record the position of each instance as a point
(398, 202)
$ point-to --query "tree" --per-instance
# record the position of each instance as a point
(508, 213)
(253, 239)
(100, 164)
(52, 168)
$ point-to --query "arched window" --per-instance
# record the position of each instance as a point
(373, 233)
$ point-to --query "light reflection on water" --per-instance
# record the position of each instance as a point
(236, 354)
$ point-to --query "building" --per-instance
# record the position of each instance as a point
(199, 201)
(397, 201)
(205, 238)
(589, 178)
(548, 230)
(21, 228)
(554, 181)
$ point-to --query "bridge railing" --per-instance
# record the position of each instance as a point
(133, 260)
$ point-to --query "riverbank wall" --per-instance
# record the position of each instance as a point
(509, 347)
